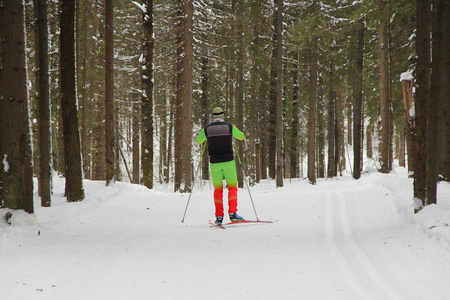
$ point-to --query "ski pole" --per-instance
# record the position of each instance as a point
(193, 182)
(244, 171)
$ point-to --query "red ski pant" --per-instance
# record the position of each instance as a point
(219, 172)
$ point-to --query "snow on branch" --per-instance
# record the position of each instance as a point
(142, 7)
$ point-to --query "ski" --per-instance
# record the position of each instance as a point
(211, 224)
(222, 226)
(246, 221)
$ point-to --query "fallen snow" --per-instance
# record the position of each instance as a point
(340, 239)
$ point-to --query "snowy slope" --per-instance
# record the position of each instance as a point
(340, 239)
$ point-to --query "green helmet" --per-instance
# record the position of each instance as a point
(217, 111)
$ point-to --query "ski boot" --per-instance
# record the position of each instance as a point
(234, 217)
(219, 220)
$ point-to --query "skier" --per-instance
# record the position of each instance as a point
(219, 135)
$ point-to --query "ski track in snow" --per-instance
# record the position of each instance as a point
(93, 261)
(357, 268)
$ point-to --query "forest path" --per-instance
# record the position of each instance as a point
(340, 239)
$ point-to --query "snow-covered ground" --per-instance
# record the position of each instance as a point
(340, 239)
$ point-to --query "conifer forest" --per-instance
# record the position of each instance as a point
(117, 90)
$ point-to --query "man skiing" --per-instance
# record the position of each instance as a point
(219, 136)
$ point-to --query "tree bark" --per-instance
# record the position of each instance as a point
(434, 102)
(254, 137)
(240, 49)
(206, 112)
(183, 108)
(109, 93)
(422, 99)
(170, 141)
(147, 98)
(16, 175)
(54, 85)
(445, 94)
(136, 140)
(43, 105)
(320, 127)
(401, 150)
(83, 100)
(312, 116)
(295, 120)
(357, 109)
(384, 96)
(72, 157)
(279, 91)
(369, 138)
(272, 134)
(332, 134)
(340, 127)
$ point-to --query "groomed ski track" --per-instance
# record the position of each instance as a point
(340, 239)
(355, 265)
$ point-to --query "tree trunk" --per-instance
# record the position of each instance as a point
(295, 120)
(340, 127)
(369, 138)
(16, 175)
(170, 141)
(183, 109)
(43, 105)
(384, 96)
(56, 129)
(72, 157)
(332, 168)
(434, 102)
(206, 112)
(85, 136)
(165, 140)
(445, 103)
(162, 113)
(97, 147)
(136, 141)
(401, 149)
(254, 137)
(264, 146)
(240, 85)
(109, 93)
(118, 128)
(422, 99)
(147, 98)
(272, 134)
(349, 102)
(312, 116)
(357, 109)
(320, 135)
(279, 91)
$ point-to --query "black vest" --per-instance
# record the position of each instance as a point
(220, 141)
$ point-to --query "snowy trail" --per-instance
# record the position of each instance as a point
(342, 239)
(357, 268)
